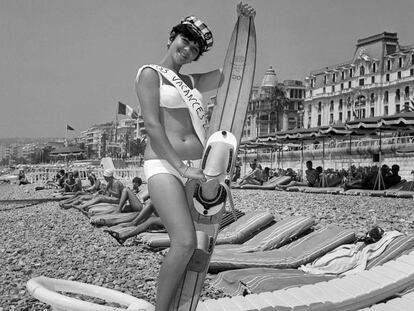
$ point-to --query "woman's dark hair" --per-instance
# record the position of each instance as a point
(186, 31)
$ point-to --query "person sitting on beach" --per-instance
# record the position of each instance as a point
(136, 203)
(22, 179)
(112, 193)
(311, 178)
(237, 169)
(392, 178)
(255, 177)
(69, 183)
(88, 194)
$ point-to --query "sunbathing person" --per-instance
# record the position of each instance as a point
(58, 182)
(22, 178)
(136, 203)
(112, 193)
(311, 178)
(146, 219)
(255, 177)
(82, 196)
(392, 178)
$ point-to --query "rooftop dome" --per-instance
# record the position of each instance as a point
(269, 79)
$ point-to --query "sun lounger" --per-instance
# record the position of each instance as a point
(326, 190)
(274, 236)
(271, 184)
(258, 280)
(236, 232)
(404, 302)
(292, 255)
(351, 292)
(102, 209)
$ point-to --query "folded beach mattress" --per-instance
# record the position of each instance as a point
(292, 255)
(236, 232)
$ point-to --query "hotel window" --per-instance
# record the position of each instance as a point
(387, 77)
(385, 110)
(324, 90)
(407, 92)
(361, 70)
(333, 88)
(411, 72)
(372, 79)
(389, 64)
(340, 105)
(351, 72)
(412, 59)
(331, 119)
(397, 95)
(374, 67)
(342, 86)
(361, 82)
(331, 106)
(319, 106)
(348, 117)
(319, 120)
(400, 62)
(399, 75)
(334, 77)
(324, 79)
(349, 84)
(372, 98)
(343, 75)
(340, 117)
(386, 97)
(372, 112)
(397, 108)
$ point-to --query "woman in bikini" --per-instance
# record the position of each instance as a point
(173, 143)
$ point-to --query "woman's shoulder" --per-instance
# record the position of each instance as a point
(147, 73)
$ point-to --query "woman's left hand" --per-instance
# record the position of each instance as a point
(245, 9)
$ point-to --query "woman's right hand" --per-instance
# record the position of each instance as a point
(192, 173)
(245, 9)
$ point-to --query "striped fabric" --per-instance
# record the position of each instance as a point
(400, 246)
(259, 280)
(162, 240)
(275, 236)
(241, 230)
(292, 255)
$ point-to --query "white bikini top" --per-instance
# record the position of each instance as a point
(170, 97)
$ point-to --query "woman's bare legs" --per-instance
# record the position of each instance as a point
(169, 199)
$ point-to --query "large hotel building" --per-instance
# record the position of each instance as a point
(377, 81)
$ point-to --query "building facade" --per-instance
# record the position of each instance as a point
(274, 107)
(377, 81)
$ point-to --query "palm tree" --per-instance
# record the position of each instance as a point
(279, 101)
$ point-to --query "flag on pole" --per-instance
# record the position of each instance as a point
(69, 128)
(127, 111)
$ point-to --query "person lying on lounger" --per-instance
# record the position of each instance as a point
(146, 219)
(112, 193)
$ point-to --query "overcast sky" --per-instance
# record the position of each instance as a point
(71, 61)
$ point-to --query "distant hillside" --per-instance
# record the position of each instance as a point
(25, 140)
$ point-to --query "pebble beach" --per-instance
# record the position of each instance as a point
(46, 240)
